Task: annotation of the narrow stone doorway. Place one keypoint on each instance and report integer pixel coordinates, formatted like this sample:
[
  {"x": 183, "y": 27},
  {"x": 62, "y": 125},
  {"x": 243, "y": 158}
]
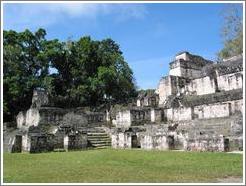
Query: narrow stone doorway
[
  {"x": 170, "y": 140},
  {"x": 17, "y": 147},
  {"x": 226, "y": 145},
  {"x": 135, "y": 142}
]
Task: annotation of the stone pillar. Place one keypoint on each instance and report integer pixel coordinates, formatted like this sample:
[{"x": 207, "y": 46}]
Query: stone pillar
[
  {"x": 65, "y": 142},
  {"x": 26, "y": 143},
  {"x": 107, "y": 116},
  {"x": 152, "y": 115}
]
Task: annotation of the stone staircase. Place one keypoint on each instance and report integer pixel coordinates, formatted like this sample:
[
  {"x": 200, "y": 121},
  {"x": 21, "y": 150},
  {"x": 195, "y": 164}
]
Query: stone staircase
[{"x": 98, "y": 138}]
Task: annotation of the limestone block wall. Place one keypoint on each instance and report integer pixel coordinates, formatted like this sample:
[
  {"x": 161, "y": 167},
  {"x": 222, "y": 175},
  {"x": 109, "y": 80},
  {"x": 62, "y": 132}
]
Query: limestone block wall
[
  {"x": 183, "y": 56},
  {"x": 123, "y": 119},
  {"x": 138, "y": 103},
  {"x": 21, "y": 119},
  {"x": 51, "y": 115},
  {"x": 139, "y": 117},
  {"x": 201, "y": 86},
  {"x": 157, "y": 115},
  {"x": 236, "y": 106},
  {"x": 150, "y": 142},
  {"x": 164, "y": 89},
  {"x": 29, "y": 118},
  {"x": 121, "y": 140},
  {"x": 176, "y": 71},
  {"x": 212, "y": 110},
  {"x": 57, "y": 116},
  {"x": 41, "y": 143},
  {"x": 206, "y": 144},
  {"x": 75, "y": 142},
  {"x": 185, "y": 72},
  {"x": 179, "y": 114},
  {"x": 32, "y": 117},
  {"x": 26, "y": 143},
  {"x": 230, "y": 81},
  {"x": 147, "y": 142}
]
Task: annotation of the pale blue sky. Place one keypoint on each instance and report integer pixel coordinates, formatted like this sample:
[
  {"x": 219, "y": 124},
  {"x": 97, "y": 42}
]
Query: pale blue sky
[{"x": 148, "y": 34}]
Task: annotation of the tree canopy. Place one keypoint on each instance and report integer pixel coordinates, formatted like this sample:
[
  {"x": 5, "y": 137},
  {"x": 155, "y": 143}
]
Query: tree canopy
[
  {"x": 85, "y": 72},
  {"x": 232, "y": 31}
]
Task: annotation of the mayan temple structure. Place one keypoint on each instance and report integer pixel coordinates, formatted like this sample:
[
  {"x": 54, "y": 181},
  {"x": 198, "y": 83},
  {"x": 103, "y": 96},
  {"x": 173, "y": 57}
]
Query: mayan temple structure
[{"x": 198, "y": 106}]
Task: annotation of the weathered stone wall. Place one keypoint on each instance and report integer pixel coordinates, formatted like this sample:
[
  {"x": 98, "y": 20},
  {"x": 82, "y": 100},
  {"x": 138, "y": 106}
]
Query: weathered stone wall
[
  {"x": 121, "y": 140},
  {"x": 26, "y": 143},
  {"x": 236, "y": 106},
  {"x": 123, "y": 119},
  {"x": 140, "y": 116},
  {"x": 201, "y": 86},
  {"x": 157, "y": 115},
  {"x": 41, "y": 143},
  {"x": 75, "y": 141},
  {"x": 57, "y": 116},
  {"x": 179, "y": 114},
  {"x": 213, "y": 110},
  {"x": 218, "y": 134},
  {"x": 164, "y": 89},
  {"x": 159, "y": 142},
  {"x": 190, "y": 68},
  {"x": 230, "y": 81},
  {"x": 185, "y": 72},
  {"x": 152, "y": 137},
  {"x": 206, "y": 144},
  {"x": 184, "y": 56},
  {"x": 29, "y": 118}
]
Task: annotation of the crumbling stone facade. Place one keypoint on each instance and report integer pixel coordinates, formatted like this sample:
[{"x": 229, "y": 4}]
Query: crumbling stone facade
[
  {"x": 200, "y": 105},
  {"x": 197, "y": 107}
]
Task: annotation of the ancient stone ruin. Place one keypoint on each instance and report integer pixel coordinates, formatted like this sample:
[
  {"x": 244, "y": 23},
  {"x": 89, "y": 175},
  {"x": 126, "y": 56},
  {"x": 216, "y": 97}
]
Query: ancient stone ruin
[{"x": 197, "y": 107}]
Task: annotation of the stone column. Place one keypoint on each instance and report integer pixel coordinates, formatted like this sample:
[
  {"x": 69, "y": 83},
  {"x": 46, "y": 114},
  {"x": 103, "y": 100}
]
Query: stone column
[
  {"x": 65, "y": 142},
  {"x": 26, "y": 143}
]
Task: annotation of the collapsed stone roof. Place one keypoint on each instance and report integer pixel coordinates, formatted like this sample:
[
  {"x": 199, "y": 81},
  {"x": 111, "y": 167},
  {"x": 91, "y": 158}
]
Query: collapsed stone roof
[
  {"x": 195, "y": 100},
  {"x": 146, "y": 93},
  {"x": 232, "y": 65}
]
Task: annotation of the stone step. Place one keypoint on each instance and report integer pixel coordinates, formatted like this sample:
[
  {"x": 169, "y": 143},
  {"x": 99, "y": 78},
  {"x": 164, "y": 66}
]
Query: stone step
[
  {"x": 98, "y": 136},
  {"x": 97, "y": 133},
  {"x": 101, "y": 145},
  {"x": 95, "y": 130},
  {"x": 99, "y": 141}
]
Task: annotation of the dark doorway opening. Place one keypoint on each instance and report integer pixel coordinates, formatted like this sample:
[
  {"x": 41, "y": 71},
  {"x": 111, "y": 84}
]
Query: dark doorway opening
[
  {"x": 17, "y": 147},
  {"x": 170, "y": 140},
  {"x": 226, "y": 145},
  {"x": 135, "y": 142}
]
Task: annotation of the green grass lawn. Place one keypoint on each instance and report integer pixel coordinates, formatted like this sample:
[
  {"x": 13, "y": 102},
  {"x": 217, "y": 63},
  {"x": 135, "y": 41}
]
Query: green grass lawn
[{"x": 112, "y": 166}]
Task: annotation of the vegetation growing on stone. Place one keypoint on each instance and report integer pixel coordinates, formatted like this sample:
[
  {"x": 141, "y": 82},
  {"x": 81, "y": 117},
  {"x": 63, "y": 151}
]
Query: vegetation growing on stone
[{"x": 189, "y": 101}]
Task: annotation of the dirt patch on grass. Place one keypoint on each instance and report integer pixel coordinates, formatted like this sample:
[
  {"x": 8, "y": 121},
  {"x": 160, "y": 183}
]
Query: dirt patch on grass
[{"x": 230, "y": 180}]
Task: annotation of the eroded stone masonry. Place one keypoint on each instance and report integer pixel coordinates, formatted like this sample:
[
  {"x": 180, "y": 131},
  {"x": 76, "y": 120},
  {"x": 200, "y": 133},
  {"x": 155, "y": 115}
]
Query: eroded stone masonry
[{"x": 197, "y": 107}]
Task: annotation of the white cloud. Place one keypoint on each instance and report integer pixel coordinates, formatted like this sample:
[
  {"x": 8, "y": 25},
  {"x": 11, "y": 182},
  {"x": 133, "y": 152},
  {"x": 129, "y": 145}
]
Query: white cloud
[{"x": 18, "y": 16}]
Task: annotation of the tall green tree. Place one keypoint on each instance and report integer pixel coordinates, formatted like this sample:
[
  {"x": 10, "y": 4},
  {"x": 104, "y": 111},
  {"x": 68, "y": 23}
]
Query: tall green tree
[
  {"x": 232, "y": 31},
  {"x": 25, "y": 66},
  {"x": 85, "y": 72},
  {"x": 92, "y": 72}
]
